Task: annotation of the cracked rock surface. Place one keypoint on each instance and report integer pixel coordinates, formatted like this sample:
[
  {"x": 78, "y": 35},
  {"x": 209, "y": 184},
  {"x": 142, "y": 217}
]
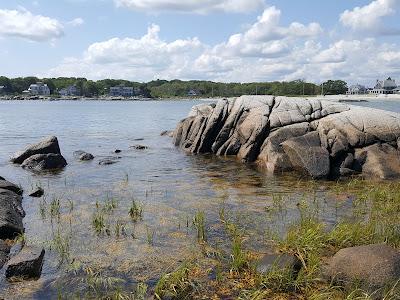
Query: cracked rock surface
[{"x": 321, "y": 139}]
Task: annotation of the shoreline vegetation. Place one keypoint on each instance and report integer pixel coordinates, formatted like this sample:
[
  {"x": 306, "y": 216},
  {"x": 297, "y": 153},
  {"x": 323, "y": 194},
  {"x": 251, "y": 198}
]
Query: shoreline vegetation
[{"x": 14, "y": 87}]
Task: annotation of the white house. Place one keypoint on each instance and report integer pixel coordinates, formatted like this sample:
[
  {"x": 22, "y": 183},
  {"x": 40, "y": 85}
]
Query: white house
[
  {"x": 121, "y": 91},
  {"x": 387, "y": 86},
  {"x": 71, "y": 90},
  {"x": 39, "y": 88},
  {"x": 357, "y": 89}
]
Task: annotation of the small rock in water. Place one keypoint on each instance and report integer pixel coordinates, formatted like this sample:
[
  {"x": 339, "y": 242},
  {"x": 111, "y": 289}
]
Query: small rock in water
[
  {"x": 83, "y": 156},
  {"x": 139, "y": 139},
  {"x": 37, "y": 193},
  {"x": 27, "y": 264},
  {"x": 2, "y": 178},
  {"x": 168, "y": 133},
  {"x": 139, "y": 147},
  {"x": 108, "y": 161},
  {"x": 117, "y": 151},
  {"x": 45, "y": 146},
  {"x": 6, "y": 185}
]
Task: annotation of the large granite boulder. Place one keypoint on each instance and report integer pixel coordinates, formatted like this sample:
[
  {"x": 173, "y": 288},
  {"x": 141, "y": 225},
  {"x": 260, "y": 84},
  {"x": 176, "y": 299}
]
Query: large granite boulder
[
  {"x": 320, "y": 138},
  {"x": 27, "y": 264},
  {"x": 45, "y": 146},
  {"x": 44, "y": 162},
  {"x": 373, "y": 267},
  {"x": 11, "y": 214}
]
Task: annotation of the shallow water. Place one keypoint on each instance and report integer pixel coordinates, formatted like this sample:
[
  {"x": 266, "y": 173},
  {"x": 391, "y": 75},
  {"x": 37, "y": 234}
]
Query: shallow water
[{"x": 170, "y": 185}]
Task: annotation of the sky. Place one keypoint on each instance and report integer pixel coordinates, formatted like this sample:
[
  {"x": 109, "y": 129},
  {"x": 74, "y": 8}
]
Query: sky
[{"x": 221, "y": 40}]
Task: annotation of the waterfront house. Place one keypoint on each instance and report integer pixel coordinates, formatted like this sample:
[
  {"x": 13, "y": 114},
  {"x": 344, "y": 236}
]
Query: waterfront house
[
  {"x": 192, "y": 93},
  {"x": 39, "y": 88},
  {"x": 71, "y": 90},
  {"x": 121, "y": 91},
  {"x": 357, "y": 89},
  {"x": 387, "y": 86}
]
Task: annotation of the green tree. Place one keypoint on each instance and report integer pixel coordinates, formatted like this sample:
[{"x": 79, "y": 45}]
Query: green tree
[{"x": 334, "y": 87}]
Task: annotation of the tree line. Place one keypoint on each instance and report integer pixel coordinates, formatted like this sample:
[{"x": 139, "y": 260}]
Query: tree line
[{"x": 177, "y": 88}]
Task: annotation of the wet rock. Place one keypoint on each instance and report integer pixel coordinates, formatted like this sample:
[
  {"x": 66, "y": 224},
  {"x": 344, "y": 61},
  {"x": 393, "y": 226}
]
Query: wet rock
[
  {"x": 306, "y": 154},
  {"x": 11, "y": 214},
  {"x": 169, "y": 133},
  {"x": 117, "y": 151},
  {"x": 378, "y": 161},
  {"x": 139, "y": 139},
  {"x": 108, "y": 161},
  {"x": 37, "y": 192},
  {"x": 44, "y": 162},
  {"x": 4, "y": 252},
  {"x": 278, "y": 261},
  {"x": 372, "y": 266},
  {"x": 83, "y": 156},
  {"x": 139, "y": 147},
  {"x": 27, "y": 264},
  {"x": 2, "y": 178},
  {"x": 46, "y": 146},
  {"x": 6, "y": 185}
]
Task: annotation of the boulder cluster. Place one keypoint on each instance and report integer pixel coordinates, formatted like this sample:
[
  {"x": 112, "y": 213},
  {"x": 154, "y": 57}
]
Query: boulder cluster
[
  {"x": 43, "y": 156},
  {"x": 320, "y": 138},
  {"x": 26, "y": 264}
]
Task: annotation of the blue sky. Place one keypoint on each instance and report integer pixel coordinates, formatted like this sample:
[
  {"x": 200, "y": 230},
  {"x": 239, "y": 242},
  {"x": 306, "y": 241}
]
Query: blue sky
[{"x": 223, "y": 40}]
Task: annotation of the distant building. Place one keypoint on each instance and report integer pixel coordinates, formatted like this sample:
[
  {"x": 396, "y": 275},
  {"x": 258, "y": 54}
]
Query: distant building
[
  {"x": 121, "y": 91},
  {"x": 39, "y": 88},
  {"x": 357, "y": 89},
  {"x": 387, "y": 86},
  {"x": 71, "y": 90},
  {"x": 192, "y": 93},
  {"x": 2, "y": 89}
]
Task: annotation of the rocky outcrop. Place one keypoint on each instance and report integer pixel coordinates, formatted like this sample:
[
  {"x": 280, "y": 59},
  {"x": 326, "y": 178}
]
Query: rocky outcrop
[
  {"x": 320, "y": 138},
  {"x": 373, "y": 267},
  {"x": 43, "y": 156},
  {"x": 27, "y": 264},
  {"x": 6, "y": 185}
]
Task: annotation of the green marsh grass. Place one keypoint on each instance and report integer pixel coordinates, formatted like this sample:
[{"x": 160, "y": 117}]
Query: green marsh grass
[{"x": 199, "y": 222}]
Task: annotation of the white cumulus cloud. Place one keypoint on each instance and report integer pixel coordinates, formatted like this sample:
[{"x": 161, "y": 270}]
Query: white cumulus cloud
[
  {"x": 23, "y": 24},
  {"x": 191, "y": 6},
  {"x": 369, "y": 17},
  {"x": 76, "y": 22}
]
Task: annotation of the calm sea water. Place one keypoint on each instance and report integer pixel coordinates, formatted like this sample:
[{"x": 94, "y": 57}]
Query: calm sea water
[{"x": 168, "y": 184}]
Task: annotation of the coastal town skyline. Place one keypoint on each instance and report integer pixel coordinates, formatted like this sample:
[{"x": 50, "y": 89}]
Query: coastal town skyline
[{"x": 238, "y": 41}]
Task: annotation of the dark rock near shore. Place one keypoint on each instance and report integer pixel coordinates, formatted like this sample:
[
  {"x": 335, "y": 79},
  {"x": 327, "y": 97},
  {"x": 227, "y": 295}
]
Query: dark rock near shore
[
  {"x": 37, "y": 192},
  {"x": 373, "y": 267},
  {"x": 6, "y": 185},
  {"x": 11, "y": 214},
  {"x": 169, "y": 133},
  {"x": 27, "y": 264},
  {"x": 44, "y": 162},
  {"x": 46, "y": 146},
  {"x": 117, "y": 151},
  {"x": 320, "y": 138},
  {"x": 272, "y": 262},
  {"x": 83, "y": 156}
]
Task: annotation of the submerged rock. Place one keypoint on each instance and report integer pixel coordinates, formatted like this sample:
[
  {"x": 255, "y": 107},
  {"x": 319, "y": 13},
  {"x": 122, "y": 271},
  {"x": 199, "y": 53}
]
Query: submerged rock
[
  {"x": 373, "y": 266},
  {"x": 11, "y": 214},
  {"x": 320, "y": 138},
  {"x": 6, "y": 185},
  {"x": 44, "y": 162},
  {"x": 37, "y": 192},
  {"x": 46, "y": 146},
  {"x": 27, "y": 264},
  {"x": 83, "y": 156},
  {"x": 139, "y": 147},
  {"x": 108, "y": 161}
]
